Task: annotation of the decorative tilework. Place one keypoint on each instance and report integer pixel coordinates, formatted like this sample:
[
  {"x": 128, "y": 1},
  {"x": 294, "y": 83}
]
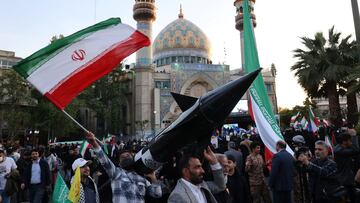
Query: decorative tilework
[{"x": 181, "y": 33}]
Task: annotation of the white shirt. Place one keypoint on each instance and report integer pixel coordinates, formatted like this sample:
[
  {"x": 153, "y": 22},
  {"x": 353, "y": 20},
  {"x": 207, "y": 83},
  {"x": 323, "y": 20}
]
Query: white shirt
[
  {"x": 200, "y": 198},
  {"x": 195, "y": 189},
  {"x": 5, "y": 168}
]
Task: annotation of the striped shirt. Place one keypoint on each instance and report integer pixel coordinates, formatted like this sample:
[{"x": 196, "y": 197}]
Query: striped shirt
[{"x": 127, "y": 186}]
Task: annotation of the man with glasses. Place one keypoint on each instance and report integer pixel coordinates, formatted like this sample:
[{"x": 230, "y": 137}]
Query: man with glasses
[{"x": 324, "y": 185}]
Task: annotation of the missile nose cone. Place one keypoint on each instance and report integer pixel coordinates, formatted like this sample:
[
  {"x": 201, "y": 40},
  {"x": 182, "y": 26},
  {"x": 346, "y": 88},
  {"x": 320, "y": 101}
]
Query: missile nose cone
[{"x": 217, "y": 104}]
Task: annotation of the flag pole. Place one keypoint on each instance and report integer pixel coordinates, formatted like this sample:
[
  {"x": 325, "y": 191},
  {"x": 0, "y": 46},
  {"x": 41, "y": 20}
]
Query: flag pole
[
  {"x": 75, "y": 121},
  {"x": 78, "y": 124}
]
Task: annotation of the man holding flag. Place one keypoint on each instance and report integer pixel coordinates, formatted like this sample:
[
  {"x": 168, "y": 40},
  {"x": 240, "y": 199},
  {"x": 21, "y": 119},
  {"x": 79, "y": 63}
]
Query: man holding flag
[{"x": 126, "y": 184}]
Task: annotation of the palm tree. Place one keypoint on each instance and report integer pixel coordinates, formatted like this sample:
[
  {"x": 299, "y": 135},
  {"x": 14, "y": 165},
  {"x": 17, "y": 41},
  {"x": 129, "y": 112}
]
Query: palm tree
[{"x": 321, "y": 67}]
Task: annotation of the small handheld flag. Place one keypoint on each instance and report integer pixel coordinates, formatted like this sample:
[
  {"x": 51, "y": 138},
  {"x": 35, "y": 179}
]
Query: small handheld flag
[
  {"x": 74, "y": 193},
  {"x": 61, "y": 191}
]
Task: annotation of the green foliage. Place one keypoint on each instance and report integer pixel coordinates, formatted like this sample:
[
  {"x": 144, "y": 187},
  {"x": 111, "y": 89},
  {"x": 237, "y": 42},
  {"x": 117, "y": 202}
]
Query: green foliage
[
  {"x": 107, "y": 97},
  {"x": 286, "y": 114},
  {"x": 16, "y": 102},
  {"x": 55, "y": 37},
  {"x": 23, "y": 107},
  {"x": 324, "y": 66}
]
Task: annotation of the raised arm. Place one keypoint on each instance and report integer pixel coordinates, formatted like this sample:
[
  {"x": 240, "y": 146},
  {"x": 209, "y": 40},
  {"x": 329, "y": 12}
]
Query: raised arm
[
  {"x": 218, "y": 184},
  {"x": 108, "y": 165},
  {"x": 322, "y": 171}
]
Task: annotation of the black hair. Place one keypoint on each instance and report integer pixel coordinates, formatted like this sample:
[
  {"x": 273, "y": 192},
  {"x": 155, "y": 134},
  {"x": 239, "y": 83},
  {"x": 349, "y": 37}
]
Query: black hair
[
  {"x": 231, "y": 157},
  {"x": 124, "y": 151},
  {"x": 184, "y": 161},
  {"x": 281, "y": 144},
  {"x": 253, "y": 145},
  {"x": 344, "y": 137},
  {"x": 35, "y": 150}
]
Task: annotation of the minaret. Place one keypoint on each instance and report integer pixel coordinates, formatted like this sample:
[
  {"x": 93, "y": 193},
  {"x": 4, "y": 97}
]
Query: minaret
[
  {"x": 239, "y": 20},
  {"x": 144, "y": 12}
]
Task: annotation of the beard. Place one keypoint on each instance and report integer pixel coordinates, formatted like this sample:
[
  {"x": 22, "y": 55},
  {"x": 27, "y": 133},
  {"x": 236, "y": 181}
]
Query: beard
[
  {"x": 127, "y": 164},
  {"x": 196, "y": 179}
]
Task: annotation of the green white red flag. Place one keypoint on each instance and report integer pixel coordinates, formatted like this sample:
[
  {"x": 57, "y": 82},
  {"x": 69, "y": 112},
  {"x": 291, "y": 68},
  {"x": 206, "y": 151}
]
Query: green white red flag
[
  {"x": 83, "y": 147},
  {"x": 314, "y": 121},
  {"x": 330, "y": 145},
  {"x": 259, "y": 107},
  {"x": 61, "y": 70},
  {"x": 304, "y": 123},
  {"x": 294, "y": 118}
]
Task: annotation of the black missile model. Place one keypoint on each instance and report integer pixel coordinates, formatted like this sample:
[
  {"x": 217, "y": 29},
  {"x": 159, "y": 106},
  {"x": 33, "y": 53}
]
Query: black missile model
[{"x": 199, "y": 118}]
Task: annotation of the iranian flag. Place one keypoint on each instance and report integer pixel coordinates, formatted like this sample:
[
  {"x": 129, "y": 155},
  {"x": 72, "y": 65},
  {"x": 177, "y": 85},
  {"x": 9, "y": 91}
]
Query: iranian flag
[
  {"x": 314, "y": 121},
  {"x": 304, "y": 123},
  {"x": 259, "y": 104},
  {"x": 83, "y": 147},
  {"x": 293, "y": 118},
  {"x": 61, "y": 70}
]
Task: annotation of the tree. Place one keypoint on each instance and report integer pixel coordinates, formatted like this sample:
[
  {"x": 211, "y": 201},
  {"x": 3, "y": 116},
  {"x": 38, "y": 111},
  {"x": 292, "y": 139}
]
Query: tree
[
  {"x": 55, "y": 37},
  {"x": 107, "y": 98},
  {"x": 16, "y": 102},
  {"x": 321, "y": 67}
]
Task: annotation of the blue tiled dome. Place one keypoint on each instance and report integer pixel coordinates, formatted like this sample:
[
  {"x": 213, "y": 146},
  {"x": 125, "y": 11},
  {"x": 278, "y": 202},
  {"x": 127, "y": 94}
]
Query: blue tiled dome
[{"x": 182, "y": 38}]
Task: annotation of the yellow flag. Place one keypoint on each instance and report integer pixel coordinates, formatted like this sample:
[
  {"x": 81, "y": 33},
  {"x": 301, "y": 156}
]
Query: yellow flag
[{"x": 74, "y": 194}]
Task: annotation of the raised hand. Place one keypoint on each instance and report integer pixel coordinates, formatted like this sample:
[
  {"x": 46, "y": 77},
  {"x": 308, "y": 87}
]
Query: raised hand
[
  {"x": 210, "y": 156},
  {"x": 92, "y": 139}
]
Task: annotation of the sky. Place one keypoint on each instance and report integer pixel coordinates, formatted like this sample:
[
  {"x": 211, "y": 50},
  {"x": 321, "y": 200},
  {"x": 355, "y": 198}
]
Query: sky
[{"x": 27, "y": 26}]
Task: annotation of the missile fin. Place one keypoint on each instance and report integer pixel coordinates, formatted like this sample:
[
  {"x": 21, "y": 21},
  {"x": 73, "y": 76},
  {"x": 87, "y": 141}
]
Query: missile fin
[{"x": 184, "y": 102}]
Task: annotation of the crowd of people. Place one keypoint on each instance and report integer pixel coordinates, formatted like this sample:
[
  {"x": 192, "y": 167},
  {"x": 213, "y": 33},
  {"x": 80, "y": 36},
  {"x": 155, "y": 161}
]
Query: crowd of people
[{"x": 232, "y": 171}]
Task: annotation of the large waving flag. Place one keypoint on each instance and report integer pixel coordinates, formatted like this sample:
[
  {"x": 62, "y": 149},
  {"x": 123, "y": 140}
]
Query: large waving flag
[
  {"x": 64, "y": 68},
  {"x": 260, "y": 107}
]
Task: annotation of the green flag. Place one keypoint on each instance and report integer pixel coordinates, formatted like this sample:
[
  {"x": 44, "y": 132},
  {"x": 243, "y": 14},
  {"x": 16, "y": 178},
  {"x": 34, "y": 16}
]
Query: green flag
[
  {"x": 61, "y": 191},
  {"x": 259, "y": 104}
]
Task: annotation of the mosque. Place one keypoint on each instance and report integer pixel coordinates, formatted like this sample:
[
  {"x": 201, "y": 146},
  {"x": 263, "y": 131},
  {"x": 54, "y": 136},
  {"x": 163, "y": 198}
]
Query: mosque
[{"x": 179, "y": 60}]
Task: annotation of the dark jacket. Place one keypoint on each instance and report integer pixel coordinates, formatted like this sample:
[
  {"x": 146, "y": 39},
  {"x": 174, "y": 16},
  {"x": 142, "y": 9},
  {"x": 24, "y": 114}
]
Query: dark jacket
[
  {"x": 45, "y": 174},
  {"x": 12, "y": 183},
  {"x": 345, "y": 159},
  {"x": 322, "y": 177},
  {"x": 237, "y": 188},
  {"x": 282, "y": 172}
]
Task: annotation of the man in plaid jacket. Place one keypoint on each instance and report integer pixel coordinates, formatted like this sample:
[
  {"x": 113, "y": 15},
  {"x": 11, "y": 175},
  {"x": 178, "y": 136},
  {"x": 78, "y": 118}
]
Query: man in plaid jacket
[{"x": 127, "y": 186}]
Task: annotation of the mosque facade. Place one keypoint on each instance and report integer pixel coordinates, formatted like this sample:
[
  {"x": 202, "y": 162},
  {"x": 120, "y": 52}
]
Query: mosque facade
[{"x": 178, "y": 60}]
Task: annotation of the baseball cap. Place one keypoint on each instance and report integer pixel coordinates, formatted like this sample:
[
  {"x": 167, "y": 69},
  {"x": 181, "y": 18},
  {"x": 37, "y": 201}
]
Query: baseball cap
[
  {"x": 79, "y": 162},
  {"x": 298, "y": 139}
]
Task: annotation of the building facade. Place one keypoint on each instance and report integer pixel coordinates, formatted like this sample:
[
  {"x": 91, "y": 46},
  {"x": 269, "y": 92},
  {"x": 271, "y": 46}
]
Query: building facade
[
  {"x": 179, "y": 60},
  {"x": 8, "y": 59}
]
